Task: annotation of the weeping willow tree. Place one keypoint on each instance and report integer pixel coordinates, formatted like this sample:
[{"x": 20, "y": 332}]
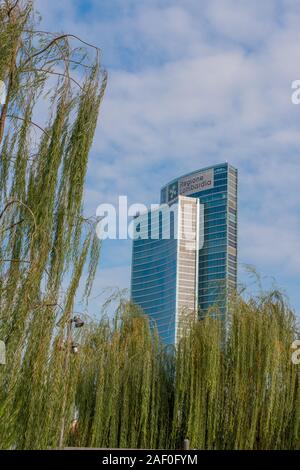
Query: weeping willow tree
[
  {"x": 241, "y": 392},
  {"x": 237, "y": 389},
  {"x": 47, "y": 123},
  {"x": 125, "y": 388}
]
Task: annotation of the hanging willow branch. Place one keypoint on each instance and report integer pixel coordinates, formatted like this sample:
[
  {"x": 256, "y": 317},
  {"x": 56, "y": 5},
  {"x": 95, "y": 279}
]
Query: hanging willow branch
[
  {"x": 56, "y": 39},
  {"x": 30, "y": 122},
  {"x": 55, "y": 73}
]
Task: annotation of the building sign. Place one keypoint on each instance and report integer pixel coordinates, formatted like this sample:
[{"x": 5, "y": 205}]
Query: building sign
[
  {"x": 196, "y": 183},
  {"x": 188, "y": 185}
]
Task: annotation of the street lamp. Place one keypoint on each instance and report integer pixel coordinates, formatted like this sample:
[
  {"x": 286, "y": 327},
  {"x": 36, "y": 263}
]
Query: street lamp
[
  {"x": 75, "y": 347},
  {"x": 78, "y": 322}
]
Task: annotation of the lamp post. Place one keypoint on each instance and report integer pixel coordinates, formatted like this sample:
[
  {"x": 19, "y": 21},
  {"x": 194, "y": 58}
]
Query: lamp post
[
  {"x": 73, "y": 347},
  {"x": 2, "y": 353},
  {"x": 78, "y": 322}
]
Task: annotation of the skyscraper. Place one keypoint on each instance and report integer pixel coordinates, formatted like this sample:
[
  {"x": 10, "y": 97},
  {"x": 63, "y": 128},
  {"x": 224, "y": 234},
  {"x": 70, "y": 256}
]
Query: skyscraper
[{"x": 157, "y": 284}]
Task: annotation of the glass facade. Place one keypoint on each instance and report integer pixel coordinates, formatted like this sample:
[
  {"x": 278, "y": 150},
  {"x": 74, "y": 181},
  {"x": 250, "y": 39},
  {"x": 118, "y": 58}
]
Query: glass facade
[
  {"x": 211, "y": 275},
  {"x": 164, "y": 266},
  {"x": 153, "y": 275}
]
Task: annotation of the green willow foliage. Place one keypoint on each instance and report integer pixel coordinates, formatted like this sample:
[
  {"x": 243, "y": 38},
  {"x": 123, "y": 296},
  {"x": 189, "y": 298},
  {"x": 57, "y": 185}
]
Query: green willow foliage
[
  {"x": 125, "y": 388},
  {"x": 246, "y": 385},
  {"x": 224, "y": 390},
  {"x": 236, "y": 389},
  {"x": 45, "y": 242}
]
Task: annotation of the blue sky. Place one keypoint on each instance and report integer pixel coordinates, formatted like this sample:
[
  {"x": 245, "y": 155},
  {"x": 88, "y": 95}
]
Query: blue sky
[{"x": 194, "y": 83}]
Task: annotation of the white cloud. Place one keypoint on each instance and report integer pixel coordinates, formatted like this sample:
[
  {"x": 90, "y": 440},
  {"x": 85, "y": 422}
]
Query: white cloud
[
  {"x": 241, "y": 20},
  {"x": 274, "y": 243}
]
